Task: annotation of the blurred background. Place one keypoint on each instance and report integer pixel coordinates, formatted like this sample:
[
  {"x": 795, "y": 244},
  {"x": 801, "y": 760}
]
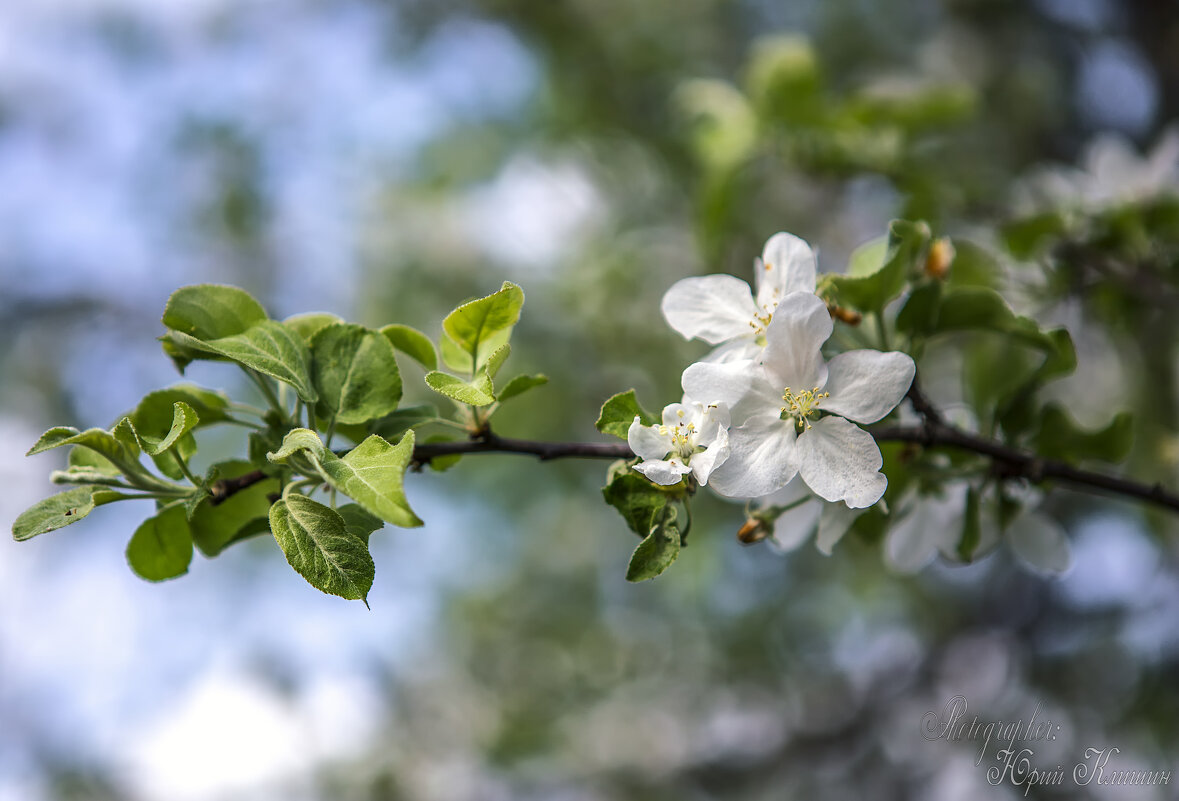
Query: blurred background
[{"x": 387, "y": 159}]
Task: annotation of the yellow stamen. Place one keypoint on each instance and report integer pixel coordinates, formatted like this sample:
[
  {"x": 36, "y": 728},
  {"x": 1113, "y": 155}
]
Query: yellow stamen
[{"x": 802, "y": 405}]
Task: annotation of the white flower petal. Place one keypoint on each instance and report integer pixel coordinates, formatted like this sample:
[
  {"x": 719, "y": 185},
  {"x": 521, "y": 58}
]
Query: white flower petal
[
  {"x": 841, "y": 462},
  {"x": 915, "y": 539},
  {"x": 712, "y": 457},
  {"x": 736, "y": 350},
  {"x": 760, "y": 458},
  {"x": 787, "y": 265},
  {"x": 834, "y": 522},
  {"x": 646, "y": 441},
  {"x": 714, "y": 418},
  {"x": 800, "y": 326},
  {"x": 865, "y": 385},
  {"x": 663, "y": 472},
  {"x": 708, "y": 382},
  {"x": 1041, "y": 542},
  {"x": 674, "y": 413},
  {"x": 794, "y": 526},
  {"x": 714, "y": 308}
]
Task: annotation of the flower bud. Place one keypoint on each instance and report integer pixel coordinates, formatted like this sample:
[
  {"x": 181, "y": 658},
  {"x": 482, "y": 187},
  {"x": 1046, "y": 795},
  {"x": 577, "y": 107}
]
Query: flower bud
[{"x": 940, "y": 257}]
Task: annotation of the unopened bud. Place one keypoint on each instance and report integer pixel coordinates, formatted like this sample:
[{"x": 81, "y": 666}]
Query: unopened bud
[
  {"x": 939, "y": 259},
  {"x": 844, "y": 315},
  {"x": 752, "y": 531}
]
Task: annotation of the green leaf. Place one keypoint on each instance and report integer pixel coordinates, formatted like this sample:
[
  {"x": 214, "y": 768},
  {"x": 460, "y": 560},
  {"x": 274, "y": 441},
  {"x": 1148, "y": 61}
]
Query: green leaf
[
  {"x": 497, "y": 358},
  {"x": 619, "y": 412},
  {"x": 1027, "y": 237},
  {"x": 373, "y": 474},
  {"x": 242, "y": 514},
  {"x": 319, "y": 547},
  {"x": 161, "y": 548},
  {"x": 308, "y": 325},
  {"x": 83, "y": 457},
  {"x": 521, "y": 384},
  {"x": 918, "y": 317},
  {"x": 54, "y": 512},
  {"x": 635, "y": 498},
  {"x": 358, "y": 522},
  {"x": 440, "y": 464},
  {"x": 355, "y": 373},
  {"x": 392, "y": 426},
  {"x": 478, "y": 327},
  {"x": 871, "y": 292},
  {"x": 1059, "y": 437},
  {"x": 658, "y": 550},
  {"x": 477, "y": 393},
  {"x": 155, "y": 414},
  {"x": 868, "y": 257},
  {"x": 118, "y": 446},
  {"x": 268, "y": 347},
  {"x": 454, "y": 357},
  {"x": 184, "y": 419},
  {"x": 212, "y": 311},
  {"x": 413, "y": 343},
  {"x": 299, "y": 439}
]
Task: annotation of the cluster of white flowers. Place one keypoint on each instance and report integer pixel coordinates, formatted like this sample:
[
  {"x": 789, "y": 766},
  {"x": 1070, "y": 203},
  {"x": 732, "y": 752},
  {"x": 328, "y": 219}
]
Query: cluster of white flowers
[{"x": 765, "y": 406}]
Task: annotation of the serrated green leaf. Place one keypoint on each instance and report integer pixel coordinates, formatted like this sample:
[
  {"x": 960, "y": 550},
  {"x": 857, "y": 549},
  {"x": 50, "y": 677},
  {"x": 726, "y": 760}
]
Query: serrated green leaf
[
  {"x": 242, "y": 514},
  {"x": 373, "y": 475},
  {"x": 635, "y": 498},
  {"x": 54, "y": 512},
  {"x": 658, "y": 550},
  {"x": 871, "y": 292},
  {"x": 454, "y": 356},
  {"x": 268, "y": 347},
  {"x": 497, "y": 358},
  {"x": 118, "y": 446},
  {"x": 478, "y": 327},
  {"x": 619, "y": 411},
  {"x": 355, "y": 373},
  {"x": 521, "y": 384},
  {"x": 161, "y": 548},
  {"x": 212, "y": 311},
  {"x": 320, "y": 549},
  {"x": 184, "y": 419},
  {"x": 358, "y": 522},
  {"x": 477, "y": 393},
  {"x": 298, "y": 439},
  {"x": 1060, "y": 437},
  {"x": 308, "y": 325},
  {"x": 82, "y": 457},
  {"x": 413, "y": 343}
]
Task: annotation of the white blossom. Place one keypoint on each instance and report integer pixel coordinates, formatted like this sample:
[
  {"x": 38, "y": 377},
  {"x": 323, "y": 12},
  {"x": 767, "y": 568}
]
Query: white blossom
[
  {"x": 722, "y": 310},
  {"x": 797, "y": 412},
  {"x": 693, "y": 438}
]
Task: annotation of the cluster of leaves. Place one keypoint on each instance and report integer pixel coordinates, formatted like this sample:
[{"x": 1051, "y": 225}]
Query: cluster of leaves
[{"x": 320, "y": 376}]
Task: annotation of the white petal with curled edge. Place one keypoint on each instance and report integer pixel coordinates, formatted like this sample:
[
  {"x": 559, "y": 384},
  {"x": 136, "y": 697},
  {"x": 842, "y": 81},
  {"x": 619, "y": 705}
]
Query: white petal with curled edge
[
  {"x": 865, "y": 385},
  {"x": 709, "y": 382},
  {"x": 663, "y": 472},
  {"x": 1040, "y": 542},
  {"x": 646, "y": 441},
  {"x": 801, "y": 324},
  {"x": 841, "y": 462},
  {"x": 787, "y": 265},
  {"x": 834, "y": 522},
  {"x": 714, "y": 308},
  {"x": 761, "y": 459},
  {"x": 710, "y": 458}
]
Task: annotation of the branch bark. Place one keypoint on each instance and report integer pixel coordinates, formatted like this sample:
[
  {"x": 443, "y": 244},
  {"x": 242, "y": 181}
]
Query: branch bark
[{"x": 932, "y": 432}]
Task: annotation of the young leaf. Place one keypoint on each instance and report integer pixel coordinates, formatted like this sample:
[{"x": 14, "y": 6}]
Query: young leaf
[
  {"x": 268, "y": 347},
  {"x": 184, "y": 419},
  {"x": 355, "y": 373},
  {"x": 358, "y": 522},
  {"x": 320, "y": 549},
  {"x": 155, "y": 414},
  {"x": 121, "y": 450},
  {"x": 310, "y": 324},
  {"x": 497, "y": 358},
  {"x": 477, "y": 393},
  {"x": 212, "y": 311},
  {"x": 372, "y": 474},
  {"x": 636, "y": 499},
  {"x": 392, "y": 426},
  {"x": 54, "y": 512},
  {"x": 478, "y": 327},
  {"x": 871, "y": 292},
  {"x": 242, "y": 514},
  {"x": 521, "y": 384},
  {"x": 161, "y": 548},
  {"x": 619, "y": 412},
  {"x": 1059, "y": 437},
  {"x": 413, "y": 343},
  {"x": 299, "y": 439},
  {"x": 658, "y": 550},
  {"x": 454, "y": 357}
]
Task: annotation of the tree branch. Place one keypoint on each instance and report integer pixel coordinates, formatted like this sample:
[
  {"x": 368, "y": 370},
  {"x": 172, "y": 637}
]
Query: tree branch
[{"x": 932, "y": 432}]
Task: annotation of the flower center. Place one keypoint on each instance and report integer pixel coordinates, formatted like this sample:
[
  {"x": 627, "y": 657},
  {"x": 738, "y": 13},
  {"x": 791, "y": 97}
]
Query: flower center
[
  {"x": 682, "y": 436},
  {"x": 802, "y": 405}
]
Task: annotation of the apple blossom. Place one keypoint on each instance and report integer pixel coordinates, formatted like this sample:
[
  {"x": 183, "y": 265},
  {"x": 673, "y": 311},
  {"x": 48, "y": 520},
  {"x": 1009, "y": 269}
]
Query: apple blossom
[
  {"x": 797, "y": 412},
  {"x": 693, "y": 438},
  {"x": 721, "y": 309}
]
